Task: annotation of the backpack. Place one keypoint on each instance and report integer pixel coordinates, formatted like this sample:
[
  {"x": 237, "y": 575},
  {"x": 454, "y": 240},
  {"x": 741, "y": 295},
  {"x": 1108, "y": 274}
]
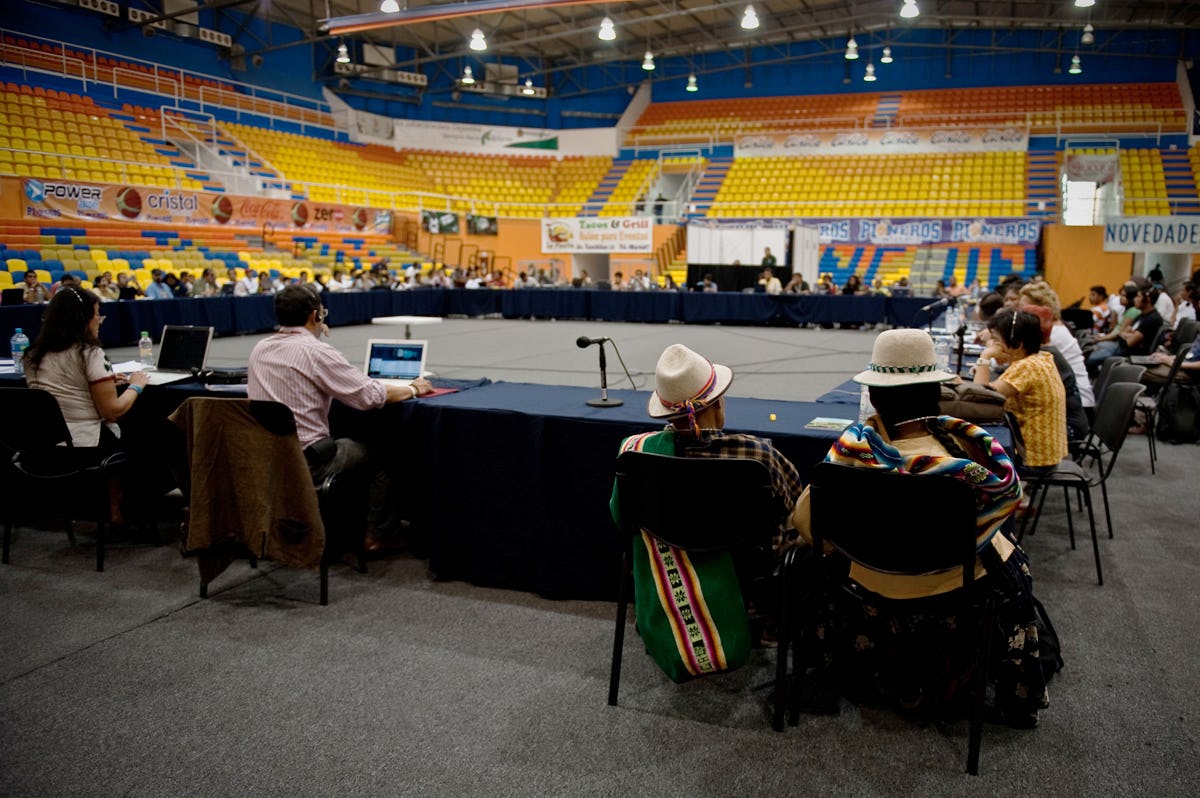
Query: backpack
[
  {"x": 1179, "y": 414},
  {"x": 1049, "y": 649}
]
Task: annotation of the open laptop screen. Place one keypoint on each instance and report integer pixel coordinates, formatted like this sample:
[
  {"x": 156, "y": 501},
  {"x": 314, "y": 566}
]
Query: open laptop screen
[
  {"x": 395, "y": 360},
  {"x": 183, "y": 348}
]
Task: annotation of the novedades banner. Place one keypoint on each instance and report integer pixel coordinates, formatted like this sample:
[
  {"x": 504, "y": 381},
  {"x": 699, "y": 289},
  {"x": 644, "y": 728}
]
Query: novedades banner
[{"x": 1178, "y": 234}]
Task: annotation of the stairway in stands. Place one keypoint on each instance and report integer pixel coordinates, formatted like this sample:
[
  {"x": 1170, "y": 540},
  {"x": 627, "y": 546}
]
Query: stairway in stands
[
  {"x": 606, "y": 187},
  {"x": 1181, "y": 182},
  {"x": 886, "y": 110},
  {"x": 709, "y": 184},
  {"x": 1041, "y": 182},
  {"x": 167, "y": 149}
]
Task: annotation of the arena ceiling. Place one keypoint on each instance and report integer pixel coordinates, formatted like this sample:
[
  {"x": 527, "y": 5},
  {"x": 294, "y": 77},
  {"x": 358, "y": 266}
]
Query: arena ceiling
[{"x": 562, "y": 34}]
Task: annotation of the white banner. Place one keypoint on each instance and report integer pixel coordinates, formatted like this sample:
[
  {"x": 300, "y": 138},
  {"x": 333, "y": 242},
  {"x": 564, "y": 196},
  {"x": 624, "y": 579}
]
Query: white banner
[
  {"x": 414, "y": 134},
  {"x": 598, "y": 234},
  {"x": 883, "y": 142},
  {"x": 1179, "y": 234}
]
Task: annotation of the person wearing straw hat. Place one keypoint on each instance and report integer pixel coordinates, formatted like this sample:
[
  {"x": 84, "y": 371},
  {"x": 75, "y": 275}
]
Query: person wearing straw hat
[{"x": 909, "y": 435}]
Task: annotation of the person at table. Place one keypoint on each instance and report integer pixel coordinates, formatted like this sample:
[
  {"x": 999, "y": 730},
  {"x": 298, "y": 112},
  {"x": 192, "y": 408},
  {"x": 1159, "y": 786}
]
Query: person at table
[
  {"x": 247, "y": 285},
  {"x": 128, "y": 286},
  {"x": 35, "y": 292},
  {"x": 296, "y": 368},
  {"x": 158, "y": 289},
  {"x": 708, "y": 285},
  {"x": 768, "y": 261},
  {"x": 208, "y": 286},
  {"x": 66, "y": 359},
  {"x": 1137, "y": 340},
  {"x": 105, "y": 290},
  {"x": 179, "y": 288},
  {"x": 266, "y": 284},
  {"x": 618, "y": 282},
  {"x": 769, "y": 282},
  {"x": 909, "y": 435},
  {"x": 1031, "y": 384},
  {"x": 797, "y": 285},
  {"x": 68, "y": 280}
]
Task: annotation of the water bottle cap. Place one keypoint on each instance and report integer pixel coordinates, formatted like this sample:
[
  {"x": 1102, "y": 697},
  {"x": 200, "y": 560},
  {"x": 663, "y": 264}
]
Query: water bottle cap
[
  {"x": 145, "y": 333},
  {"x": 17, "y": 331}
]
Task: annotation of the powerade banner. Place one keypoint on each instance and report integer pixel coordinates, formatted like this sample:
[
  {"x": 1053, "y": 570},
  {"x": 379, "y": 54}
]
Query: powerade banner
[
  {"x": 598, "y": 234},
  {"x": 882, "y": 142},
  {"x": 927, "y": 231},
  {"x": 1178, "y": 234},
  {"x": 76, "y": 201}
]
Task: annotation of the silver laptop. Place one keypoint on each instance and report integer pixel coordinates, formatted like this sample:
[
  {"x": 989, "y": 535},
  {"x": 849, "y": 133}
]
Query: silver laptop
[
  {"x": 395, "y": 361},
  {"x": 182, "y": 353}
]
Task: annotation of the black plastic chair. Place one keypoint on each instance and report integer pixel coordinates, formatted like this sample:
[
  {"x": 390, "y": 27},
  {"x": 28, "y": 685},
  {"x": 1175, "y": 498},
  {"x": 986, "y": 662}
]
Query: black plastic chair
[
  {"x": 903, "y": 538},
  {"x": 1096, "y": 458},
  {"x": 1181, "y": 344},
  {"x": 744, "y": 517},
  {"x": 53, "y": 478}
]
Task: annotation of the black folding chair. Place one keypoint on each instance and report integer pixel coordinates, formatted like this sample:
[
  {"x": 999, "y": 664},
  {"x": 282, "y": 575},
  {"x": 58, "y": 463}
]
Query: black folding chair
[
  {"x": 1181, "y": 344},
  {"x": 53, "y": 478},
  {"x": 903, "y": 538},
  {"x": 744, "y": 516}
]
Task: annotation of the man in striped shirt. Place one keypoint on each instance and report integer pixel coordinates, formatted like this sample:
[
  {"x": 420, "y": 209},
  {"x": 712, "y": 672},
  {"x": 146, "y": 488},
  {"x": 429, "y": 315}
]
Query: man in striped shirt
[{"x": 295, "y": 368}]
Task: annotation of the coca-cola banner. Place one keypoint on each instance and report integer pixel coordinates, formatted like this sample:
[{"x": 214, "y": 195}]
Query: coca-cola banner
[
  {"x": 882, "y": 142},
  {"x": 1088, "y": 168},
  {"x": 78, "y": 201}
]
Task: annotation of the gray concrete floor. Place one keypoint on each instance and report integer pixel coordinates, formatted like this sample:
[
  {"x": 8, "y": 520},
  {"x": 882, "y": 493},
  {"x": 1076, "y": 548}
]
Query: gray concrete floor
[{"x": 768, "y": 362}]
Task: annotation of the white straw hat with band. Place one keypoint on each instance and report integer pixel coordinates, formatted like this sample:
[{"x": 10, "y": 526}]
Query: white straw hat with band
[
  {"x": 902, "y": 357},
  {"x": 685, "y": 382}
]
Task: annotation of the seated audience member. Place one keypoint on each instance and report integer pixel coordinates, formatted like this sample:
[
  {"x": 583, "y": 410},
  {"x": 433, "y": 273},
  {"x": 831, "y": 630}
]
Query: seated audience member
[
  {"x": 294, "y": 367},
  {"x": 618, "y": 282},
  {"x": 769, "y": 282},
  {"x": 524, "y": 281},
  {"x": 68, "y": 280},
  {"x": 909, "y": 435},
  {"x": 186, "y": 283},
  {"x": 1164, "y": 304},
  {"x": 825, "y": 285},
  {"x": 158, "y": 288},
  {"x": 1031, "y": 384},
  {"x": 1189, "y": 300},
  {"x": 797, "y": 285},
  {"x": 266, "y": 285},
  {"x": 105, "y": 290},
  {"x": 1011, "y": 291},
  {"x": 1061, "y": 339},
  {"x": 708, "y": 285},
  {"x": 1189, "y": 369},
  {"x": 35, "y": 292},
  {"x": 127, "y": 286},
  {"x": 1138, "y": 339},
  {"x": 207, "y": 287},
  {"x": 301, "y": 278},
  {"x": 322, "y": 283},
  {"x": 178, "y": 287},
  {"x": 955, "y": 290},
  {"x": 585, "y": 279},
  {"x": 248, "y": 285},
  {"x": 1079, "y": 415},
  {"x": 940, "y": 291},
  {"x": 640, "y": 281},
  {"x": 669, "y": 283},
  {"x": 1103, "y": 317},
  {"x": 66, "y": 359},
  {"x": 901, "y": 288}
]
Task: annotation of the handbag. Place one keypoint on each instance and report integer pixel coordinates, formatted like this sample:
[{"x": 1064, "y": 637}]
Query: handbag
[{"x": 972, "y": 402}]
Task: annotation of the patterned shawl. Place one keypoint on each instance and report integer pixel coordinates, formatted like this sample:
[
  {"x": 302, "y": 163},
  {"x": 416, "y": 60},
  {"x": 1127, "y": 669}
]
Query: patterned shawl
[{"x": 989, "y": 470}]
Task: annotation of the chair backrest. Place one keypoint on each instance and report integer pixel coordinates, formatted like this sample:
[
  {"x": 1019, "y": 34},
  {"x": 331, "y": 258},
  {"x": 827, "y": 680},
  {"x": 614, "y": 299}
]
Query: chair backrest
[
  {"x": 1185, "y": 334},
  {"x": 1114, "y": 412},
  {"x": 697, "y": 503},
  {"x": 922, "y": 524},
  {"x": 1126, "y": 372},
  {"x": 1080, "y": 319},
  {"x": 35, "y": 421},
  {"x": 1106, "y": 368}
]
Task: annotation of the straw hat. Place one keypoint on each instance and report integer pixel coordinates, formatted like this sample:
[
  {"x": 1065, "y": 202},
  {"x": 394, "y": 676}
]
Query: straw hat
[
  {"x": 683, "y": 378},
  {"x": 902, "y": 357}
]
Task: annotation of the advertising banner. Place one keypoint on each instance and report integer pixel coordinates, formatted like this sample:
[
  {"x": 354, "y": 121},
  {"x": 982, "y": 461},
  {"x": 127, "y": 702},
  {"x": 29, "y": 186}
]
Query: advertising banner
[
  {"x": 918, "y": 231},
  {"x": 77, "y": 201},
  {"x": 439, "y": 222},
  {"x": 598, "y": 234},
  {"x": 1178, "y": 234},
  {"x": 891, "y": 141},
  {"x": 482, "y": 225},
  {"x": 454, "y": 137},
  {"x": 1085, "y": 168}
]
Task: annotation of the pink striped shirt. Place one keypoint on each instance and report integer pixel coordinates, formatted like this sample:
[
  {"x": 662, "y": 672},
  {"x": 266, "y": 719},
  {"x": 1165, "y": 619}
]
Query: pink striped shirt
[{"x": 294, "y": 368}]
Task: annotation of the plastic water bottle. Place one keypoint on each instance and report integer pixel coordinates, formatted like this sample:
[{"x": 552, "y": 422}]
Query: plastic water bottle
[
  {"x": 953, "y": 320},
  {"x": 941, "y": 346},
  {"x": 145, "y": 350},
  {"x": 18, "y": 344},
  {"x": 865, "y": 408}
]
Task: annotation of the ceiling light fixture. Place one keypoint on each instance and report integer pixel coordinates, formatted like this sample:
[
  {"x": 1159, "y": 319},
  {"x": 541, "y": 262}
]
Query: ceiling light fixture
[
  {"x": 749, "y": 18},
  {"x": 343, "y": 56},
  {"x": 607, "y": 31},
  {"x": 648, "y": 62},
  {"x": 478, "y": 43},
  {"x": 1075, "y": 67},
  {"x": 528, "y": 90},
  {"x": 389, "y": 7},
  {"x": 870, "y": 76},
  {"x": 886, "y": 58},
  {"x": 1084, "y": 3},
  {"x": 1089, "y": 35},
  {"x": 910, "y": 10},
  {"x": 691, "y": 86},
  {"x": 851, "y": 49},
  {"x": 468, "y": 77}
]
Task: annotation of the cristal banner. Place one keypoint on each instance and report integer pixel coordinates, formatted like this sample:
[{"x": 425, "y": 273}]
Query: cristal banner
[
  {"x": 976, "y": 230},
  {"x": 76, "y": 201},
  {"x": 598, "y": 234}
]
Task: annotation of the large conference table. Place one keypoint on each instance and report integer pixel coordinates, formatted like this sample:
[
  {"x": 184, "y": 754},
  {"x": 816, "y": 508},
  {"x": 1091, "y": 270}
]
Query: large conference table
[{"x": 254, "y": 314}]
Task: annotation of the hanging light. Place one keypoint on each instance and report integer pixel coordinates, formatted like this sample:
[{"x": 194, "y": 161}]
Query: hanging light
[
  {"x": 389, "y": 7},
  {"x": 1075, "y": 67},
  {"x": 870, "y": 76},
  {"x": 528, "y": 89},
  {"x": 1084, "y": 3},
  {"x": 691, "y": 86},
  {"x": 478, "y": 43},
  {"x": 886, "y": 58},
  {"x": 910, "y": 10},
  {"x": 607, "y": 31},
  {"x": 749, "y": 18},
  {"x": 648, "y": 62},
  {"x": 343, "y": 56},
  {"x": 1089, "y": 35},
  {"x": 851, "y": 49},
  {"x": 468, "y": 76}
]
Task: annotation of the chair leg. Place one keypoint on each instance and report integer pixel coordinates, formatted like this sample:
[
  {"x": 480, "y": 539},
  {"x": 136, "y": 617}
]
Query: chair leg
[
  {"x": 71, "y": 532},
  {"x": 8, "y": 526},
  {"x": 781, "y": 650},
  {"x": 1029, "y": 511},
  {"x": 1037, "y": 516},
  {"x": 203, "y": 589},
  {"x": 1087, "y": 496},
  {"x": 324, "y": 582},
  {"x": 1070, "y": 521},
  {"x": 1151, "y": 425},
  {"x": 975, "y": 737},
  {"x": 614, "y": 678},
  {"x": 101, "y": 529}
]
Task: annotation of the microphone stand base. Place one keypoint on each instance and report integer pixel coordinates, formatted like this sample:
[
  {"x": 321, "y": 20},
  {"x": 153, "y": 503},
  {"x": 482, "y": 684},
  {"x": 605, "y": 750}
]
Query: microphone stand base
[{"x": 604, "y": 402}]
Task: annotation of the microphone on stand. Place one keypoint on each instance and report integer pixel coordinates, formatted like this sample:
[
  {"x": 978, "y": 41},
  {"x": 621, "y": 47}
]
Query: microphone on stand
[{"x": 583, "y": 342}]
